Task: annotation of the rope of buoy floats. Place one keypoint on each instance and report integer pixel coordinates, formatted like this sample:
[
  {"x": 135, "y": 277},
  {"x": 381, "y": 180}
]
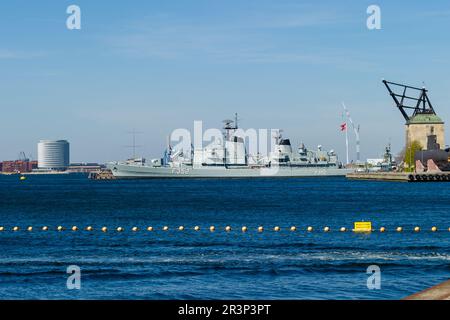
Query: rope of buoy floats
[{"x": 228, "y": 228}]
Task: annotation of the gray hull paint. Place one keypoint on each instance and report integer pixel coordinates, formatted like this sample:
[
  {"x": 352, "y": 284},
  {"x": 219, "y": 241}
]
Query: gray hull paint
[{"x": 139, "y": 171}]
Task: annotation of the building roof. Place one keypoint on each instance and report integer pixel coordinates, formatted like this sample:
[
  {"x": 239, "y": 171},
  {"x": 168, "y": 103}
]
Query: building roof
[{"x": 425, "y": 118}]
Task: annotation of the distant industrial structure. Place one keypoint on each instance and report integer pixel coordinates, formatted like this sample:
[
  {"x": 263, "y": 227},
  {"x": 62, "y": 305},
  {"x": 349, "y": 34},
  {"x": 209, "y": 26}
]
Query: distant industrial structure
[
  {"x": 53, "y": 158},
  {"x": 22, "y": 164},
  {"x": 18, "y": 166},
  {"x": 53, "y": 155},
  {"x": 84, "y": 167}
]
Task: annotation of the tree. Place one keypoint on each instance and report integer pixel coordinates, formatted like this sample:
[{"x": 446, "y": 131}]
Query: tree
[{"x": 409, "y": 155}]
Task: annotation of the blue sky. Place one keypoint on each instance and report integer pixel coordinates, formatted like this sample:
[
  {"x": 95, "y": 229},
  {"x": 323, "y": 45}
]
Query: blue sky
[{"x": 160, "y": 65}]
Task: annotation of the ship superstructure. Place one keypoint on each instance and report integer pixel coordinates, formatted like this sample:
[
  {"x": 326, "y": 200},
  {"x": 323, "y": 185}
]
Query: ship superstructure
[{"x": 229, "y": 159}]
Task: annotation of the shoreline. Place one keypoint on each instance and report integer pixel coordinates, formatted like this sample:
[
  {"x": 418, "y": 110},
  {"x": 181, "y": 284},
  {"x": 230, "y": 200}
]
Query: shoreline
[{"x": 437, "y": 292}]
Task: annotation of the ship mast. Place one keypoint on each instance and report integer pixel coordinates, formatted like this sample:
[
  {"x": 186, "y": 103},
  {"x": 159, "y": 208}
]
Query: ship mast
[{"x": 228, "y": 126}]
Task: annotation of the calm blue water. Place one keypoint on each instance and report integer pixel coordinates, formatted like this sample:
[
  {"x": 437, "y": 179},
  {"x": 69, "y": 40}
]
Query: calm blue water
[{"x": 220, "y": 265}]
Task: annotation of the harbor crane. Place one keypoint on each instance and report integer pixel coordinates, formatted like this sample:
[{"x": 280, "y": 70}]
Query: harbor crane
[{"x": 405, "y": 102}]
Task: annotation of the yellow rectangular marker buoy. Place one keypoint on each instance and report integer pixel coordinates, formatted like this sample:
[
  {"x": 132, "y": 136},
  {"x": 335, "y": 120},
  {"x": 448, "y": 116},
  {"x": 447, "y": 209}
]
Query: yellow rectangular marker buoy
[{"x": 363, "y": 226}]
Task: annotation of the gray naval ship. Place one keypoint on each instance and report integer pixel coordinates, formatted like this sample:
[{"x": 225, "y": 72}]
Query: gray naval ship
[{"x": 231, "y": 160}]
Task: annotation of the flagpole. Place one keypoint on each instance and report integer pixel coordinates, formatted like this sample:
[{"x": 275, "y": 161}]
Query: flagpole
[
  {"x": 344, "y": 126},
  {"x": 346, "y": 140}
]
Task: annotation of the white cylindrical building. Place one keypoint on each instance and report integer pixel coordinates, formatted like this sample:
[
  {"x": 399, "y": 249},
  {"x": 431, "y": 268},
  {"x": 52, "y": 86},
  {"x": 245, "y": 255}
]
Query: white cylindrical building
[{"x": 53, "y": 154}]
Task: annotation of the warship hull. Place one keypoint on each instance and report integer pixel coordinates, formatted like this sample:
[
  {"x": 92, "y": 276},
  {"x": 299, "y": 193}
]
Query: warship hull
[{"x": 127, "y": 171}]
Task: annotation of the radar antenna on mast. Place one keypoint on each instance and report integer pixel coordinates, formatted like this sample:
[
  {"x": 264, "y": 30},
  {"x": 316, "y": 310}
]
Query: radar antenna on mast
[
  {"x": 403, "y": 101},
  {"x": 230, "y": 125}
]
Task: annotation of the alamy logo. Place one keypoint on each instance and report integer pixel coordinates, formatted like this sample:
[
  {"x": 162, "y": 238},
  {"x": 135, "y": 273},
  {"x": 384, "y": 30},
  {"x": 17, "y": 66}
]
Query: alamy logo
[
  {"x": 212, "y": 147},
  {"x": 74, "y": 280},
  {"x": 73, "y": 22},
  {"x": 374, "y": 20},
  {"x": 374, "y": 280}
]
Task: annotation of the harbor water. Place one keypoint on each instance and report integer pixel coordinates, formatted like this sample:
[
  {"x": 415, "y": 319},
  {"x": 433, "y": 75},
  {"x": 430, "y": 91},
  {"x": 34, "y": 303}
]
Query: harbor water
[{"x": 190, "y": 264}]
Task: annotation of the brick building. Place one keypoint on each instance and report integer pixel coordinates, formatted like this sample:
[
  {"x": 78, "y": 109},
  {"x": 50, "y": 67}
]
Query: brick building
[{"x": 18, "y": 166}]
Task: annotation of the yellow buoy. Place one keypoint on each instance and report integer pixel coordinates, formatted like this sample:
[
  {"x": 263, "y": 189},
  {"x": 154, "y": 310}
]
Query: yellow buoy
[
  {"x": 135, "y": 229},
  {"x": 382, "y": 229},
  {"x": 212, "y": 228},
  {"x": 181, "y": 228},
  {"x": 23, "y": 178},
  {"x": 104, "y": 229},
  {"x": 16, "y": 229},
  {"x": 89, "y": 228},
  {"x": 244, "y": 229},
  {"x": 343, "y": 229},
  {"x": 433, "y": 229},
  {"x": 326, "y": 229},
  {"x": 416, "y": 229},
  {"x": 399, "y": 229},
  {"x": 74, "y": 228},
  {"x": 227, "y": 228},
  {"x": 293, "y": 228},
  {"x": 30, "y": 228},
  {"x": 2, "y": 229},
  {"x": 60, "y": 228},
  {"x": 276, "y": 229},
  {"x": 309, "y": 229},
  {"x": 165, "y": 228},
  {"x": 260, "y": 229},
  {"x": 119, "y": 229},
  {"x": 149, "y": 228},
  {"x": 196, "y": 228},
  {"x": 44, "y": 228},
  {"x": 362, "y": 226}
]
